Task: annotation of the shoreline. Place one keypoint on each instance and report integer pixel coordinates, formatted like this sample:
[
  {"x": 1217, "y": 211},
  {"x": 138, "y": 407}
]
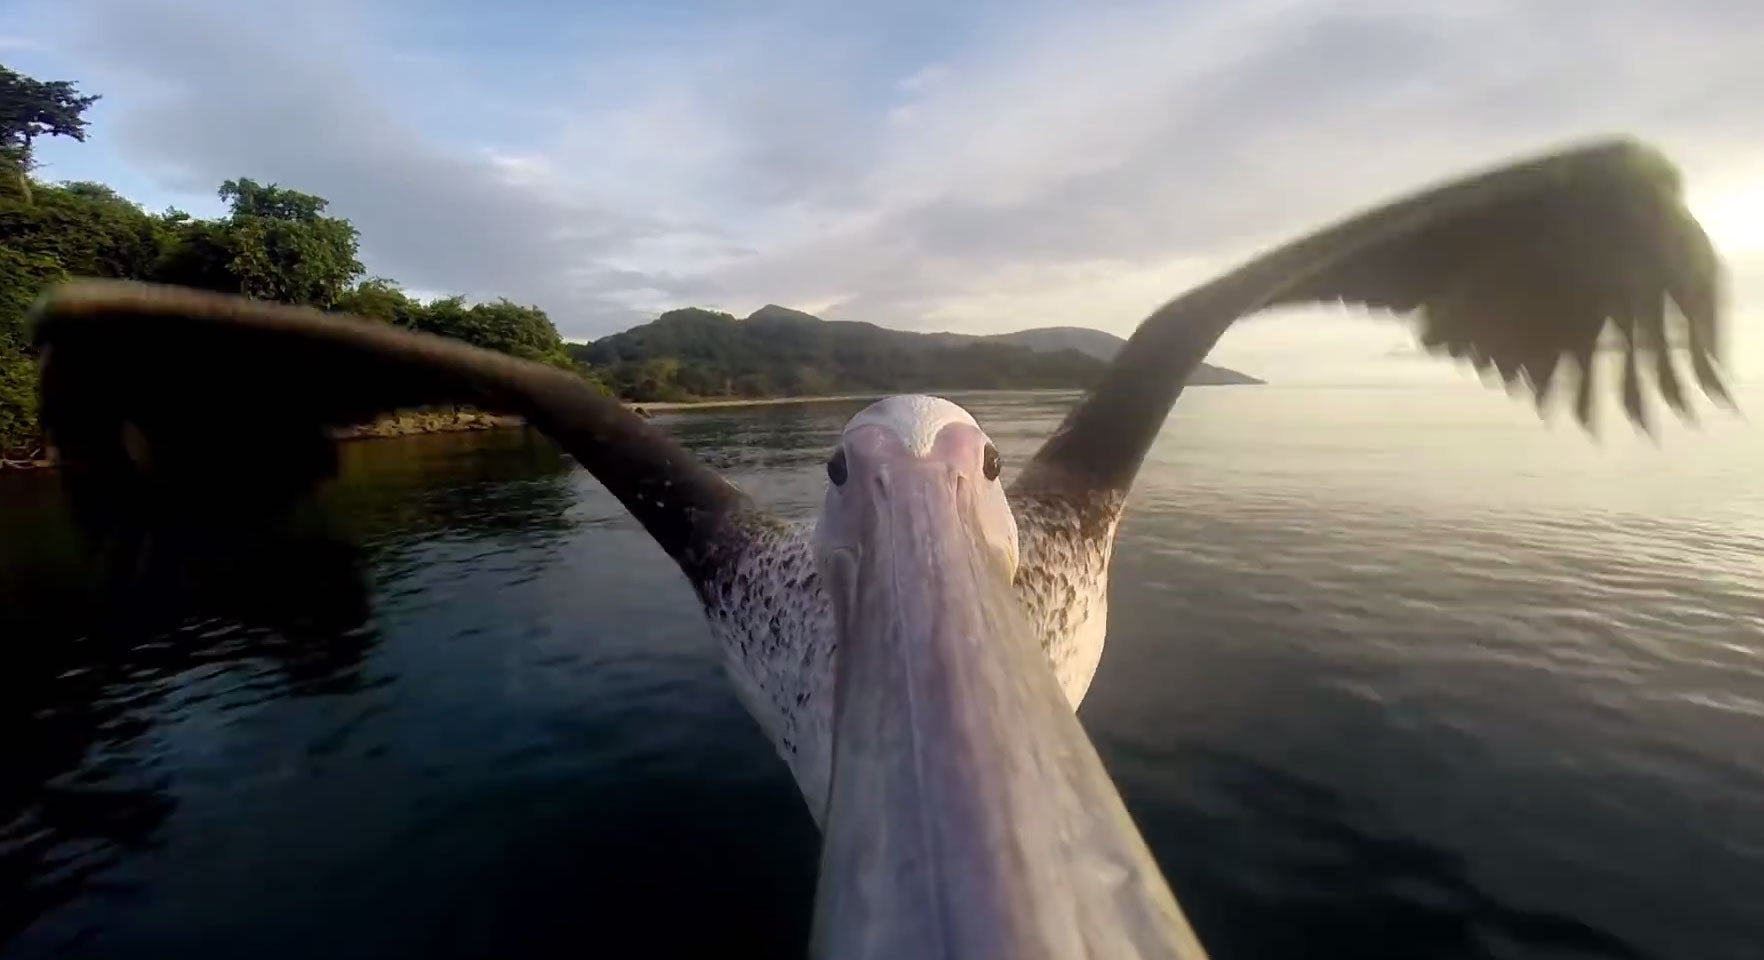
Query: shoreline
[
  {"x": 418, "y": 423},
  {"x": 422, "y": 423},
  {"x": 398, "y": 425}
]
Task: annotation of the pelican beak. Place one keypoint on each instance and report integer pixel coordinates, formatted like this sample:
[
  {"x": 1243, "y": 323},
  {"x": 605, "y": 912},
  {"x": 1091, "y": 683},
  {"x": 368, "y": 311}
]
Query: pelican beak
[{"x": 969, "y": 815}]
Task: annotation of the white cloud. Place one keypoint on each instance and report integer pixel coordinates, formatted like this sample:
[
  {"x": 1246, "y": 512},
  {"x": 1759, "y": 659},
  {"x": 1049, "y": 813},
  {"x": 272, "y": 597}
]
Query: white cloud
[{"x": 923, "y": 79}]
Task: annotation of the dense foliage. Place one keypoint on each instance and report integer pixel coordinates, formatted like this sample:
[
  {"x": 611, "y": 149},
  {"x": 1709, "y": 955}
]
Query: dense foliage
[
  {"x": 695, "y": 354},
  {"x": 275, "y": 244}
]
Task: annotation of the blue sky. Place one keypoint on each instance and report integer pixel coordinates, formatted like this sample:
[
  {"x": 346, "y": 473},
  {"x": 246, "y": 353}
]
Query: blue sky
[{"x": 981, "y": 167}]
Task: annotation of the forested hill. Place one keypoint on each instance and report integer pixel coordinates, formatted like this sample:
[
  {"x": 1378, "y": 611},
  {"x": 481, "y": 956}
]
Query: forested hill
[
  {"x": 1097, "y": 343},
  {"x": 694, "y": 353}
]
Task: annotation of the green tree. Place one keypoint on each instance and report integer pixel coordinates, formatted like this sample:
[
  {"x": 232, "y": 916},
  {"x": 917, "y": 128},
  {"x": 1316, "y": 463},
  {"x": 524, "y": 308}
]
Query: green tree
[
  {"x": 502, "y": 325},
  {"x": 248, "y": 198},
  {"x": 285, "y": 249},
  {"x": 195, "y": 253},
  {"x": 381, "y": 299},
  {"x": 523, "y": 331},
  {"x": 85, "y": 227},
  {"x": 447, "y": 317},
  {"x": 35, "y": 108}
]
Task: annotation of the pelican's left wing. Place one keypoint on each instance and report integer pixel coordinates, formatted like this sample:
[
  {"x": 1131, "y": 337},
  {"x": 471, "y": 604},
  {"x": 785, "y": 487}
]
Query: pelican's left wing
[{"x": 1514, "y": 269}]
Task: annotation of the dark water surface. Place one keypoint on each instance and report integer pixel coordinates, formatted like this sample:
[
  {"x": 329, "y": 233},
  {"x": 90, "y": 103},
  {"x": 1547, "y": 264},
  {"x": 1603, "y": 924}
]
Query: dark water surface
[{"x": 1391, "y": 673}]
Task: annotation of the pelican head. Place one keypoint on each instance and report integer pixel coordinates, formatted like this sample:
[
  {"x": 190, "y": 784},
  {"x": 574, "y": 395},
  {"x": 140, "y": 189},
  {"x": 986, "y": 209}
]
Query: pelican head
[
  {"x": 914, "y": 455},
  {"x": 968, "y": 814}
]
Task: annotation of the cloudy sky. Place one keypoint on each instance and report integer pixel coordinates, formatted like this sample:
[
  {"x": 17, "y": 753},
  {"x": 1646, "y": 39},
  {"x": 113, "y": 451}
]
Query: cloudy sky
[{"x": 983, "y": 167}]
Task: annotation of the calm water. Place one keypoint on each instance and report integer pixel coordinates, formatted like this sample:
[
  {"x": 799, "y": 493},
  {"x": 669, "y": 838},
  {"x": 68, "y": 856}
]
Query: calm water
[{"x": 1392, "y": 673}]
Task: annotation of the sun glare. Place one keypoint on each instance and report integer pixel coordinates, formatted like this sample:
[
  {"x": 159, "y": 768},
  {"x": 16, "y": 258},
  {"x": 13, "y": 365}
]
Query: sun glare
[{"x": 1734, "y": 218}]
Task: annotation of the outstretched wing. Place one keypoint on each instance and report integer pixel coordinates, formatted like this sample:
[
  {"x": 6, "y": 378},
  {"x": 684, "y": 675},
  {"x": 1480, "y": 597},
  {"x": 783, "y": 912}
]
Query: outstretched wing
[
  {"x": 165, "y": 398},
  {"x": 186, "y": 410},
  {"x": 1514, "y": 269}
]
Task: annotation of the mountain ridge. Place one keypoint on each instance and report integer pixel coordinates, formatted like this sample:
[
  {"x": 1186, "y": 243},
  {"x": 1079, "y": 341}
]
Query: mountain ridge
[
  {"x": 697, "y": 354},
  {"x": 1096, "y": 343}
]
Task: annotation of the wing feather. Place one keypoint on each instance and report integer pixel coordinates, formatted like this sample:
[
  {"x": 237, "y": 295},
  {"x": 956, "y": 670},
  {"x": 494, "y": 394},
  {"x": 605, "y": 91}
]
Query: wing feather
[
  {"x": 1511, "y": 271},
  {"x": 168, "y": 398},
  {"x": 1519, "y": 271}
]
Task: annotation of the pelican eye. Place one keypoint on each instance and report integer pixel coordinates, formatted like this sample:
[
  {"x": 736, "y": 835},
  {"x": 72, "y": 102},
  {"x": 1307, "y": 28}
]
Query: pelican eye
[
  {"x": 989, "y": 462},
  {"x": 836, "y": 467}
]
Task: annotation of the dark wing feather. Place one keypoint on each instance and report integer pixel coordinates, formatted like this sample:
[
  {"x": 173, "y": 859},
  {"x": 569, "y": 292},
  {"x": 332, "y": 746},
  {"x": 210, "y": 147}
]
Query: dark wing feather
[
  {"x": 1512, "y": 270},
  {"x": 218, "y": 406}
]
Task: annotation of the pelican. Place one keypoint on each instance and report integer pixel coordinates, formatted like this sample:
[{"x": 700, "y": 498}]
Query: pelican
[{"x": 916, "y": 652}]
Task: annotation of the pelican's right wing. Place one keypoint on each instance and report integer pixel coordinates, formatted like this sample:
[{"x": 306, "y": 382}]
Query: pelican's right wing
[
  {"x": 207, "y": 410},
  {"x": 219, "y": 407}
]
